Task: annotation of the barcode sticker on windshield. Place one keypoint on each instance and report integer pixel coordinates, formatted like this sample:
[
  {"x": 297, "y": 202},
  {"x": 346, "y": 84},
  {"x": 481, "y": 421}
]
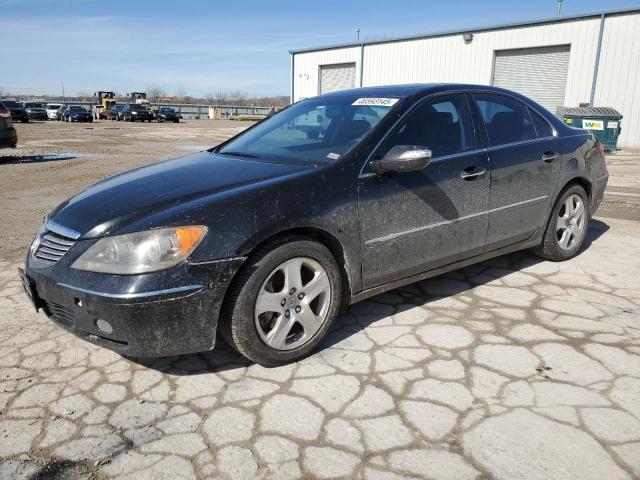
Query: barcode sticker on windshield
[
  {"x": 376, "y": 102},
  {"x": 333, "y": 156}
]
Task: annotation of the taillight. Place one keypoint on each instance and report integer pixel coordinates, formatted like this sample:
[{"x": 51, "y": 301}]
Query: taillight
[
  {"x": 4, "y": 112},
  {"x": 600, "y": 148}
]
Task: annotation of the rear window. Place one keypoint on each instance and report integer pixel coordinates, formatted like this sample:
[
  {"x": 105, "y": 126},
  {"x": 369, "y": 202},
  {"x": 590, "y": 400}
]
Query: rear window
[
  {"x": 507, "y": 120},
  {"x": 11, "y": 104}
]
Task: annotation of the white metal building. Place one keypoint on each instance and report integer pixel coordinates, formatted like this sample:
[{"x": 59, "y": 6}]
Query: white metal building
[{"x": 563, "y": 61}]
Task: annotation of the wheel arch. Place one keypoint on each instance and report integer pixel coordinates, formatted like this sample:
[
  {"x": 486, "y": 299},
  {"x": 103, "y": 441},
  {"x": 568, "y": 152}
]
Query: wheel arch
[
  {"x": 321, "y": 236},
  {"x": 581, "y": 181}
]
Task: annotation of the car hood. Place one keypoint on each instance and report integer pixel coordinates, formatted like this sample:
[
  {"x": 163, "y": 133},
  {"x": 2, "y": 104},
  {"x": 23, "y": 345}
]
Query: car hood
[{"x": 124, "y": 198}]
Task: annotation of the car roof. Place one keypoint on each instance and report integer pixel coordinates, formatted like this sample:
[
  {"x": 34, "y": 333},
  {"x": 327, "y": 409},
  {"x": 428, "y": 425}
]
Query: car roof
[{"x": 411, "y": 89}]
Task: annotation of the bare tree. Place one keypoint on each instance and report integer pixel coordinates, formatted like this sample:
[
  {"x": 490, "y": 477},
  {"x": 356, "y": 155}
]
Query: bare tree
[
  {"x": 155, "y": 93},
  {"x": 181, "y": 94}
]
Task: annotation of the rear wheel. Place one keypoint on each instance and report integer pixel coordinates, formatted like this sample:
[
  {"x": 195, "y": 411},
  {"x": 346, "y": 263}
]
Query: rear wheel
[
  {"x": 567, "y": 226},
  {"x": 283, "y": 301}
]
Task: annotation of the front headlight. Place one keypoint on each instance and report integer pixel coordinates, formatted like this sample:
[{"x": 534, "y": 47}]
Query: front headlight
[
  {"x": 134, "y": 113},
  {"x": 141, "y": 252}
]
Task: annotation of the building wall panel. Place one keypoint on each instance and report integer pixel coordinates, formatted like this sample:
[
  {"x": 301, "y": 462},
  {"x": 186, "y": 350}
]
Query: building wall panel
[
  {"x": 448, "y": 59},
  {"x": 618, "y": 83}
]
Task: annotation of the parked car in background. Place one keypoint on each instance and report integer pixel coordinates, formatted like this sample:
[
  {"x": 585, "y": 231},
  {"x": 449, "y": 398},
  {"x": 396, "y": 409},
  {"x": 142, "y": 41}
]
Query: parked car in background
[
  {"x": 77, "y": 113},
  {"x": 133, "y": 112},
  {"x": 60, "y": 112},
  {"x": 403, "y": 183},
  {"x": 114, "y": 112},
  {"x": 18, "y": 112},
  {"x": 52, "y": 110},
  {"x": 8, "y": 135},
  {"x": 36, "y": 111},
  {"x": 167, "y": 114}
]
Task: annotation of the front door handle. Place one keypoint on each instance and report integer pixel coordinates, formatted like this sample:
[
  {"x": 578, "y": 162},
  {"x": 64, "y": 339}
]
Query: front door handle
[
  {"x": 471, "y": 173},
  {"x": 549, "y": 156}
]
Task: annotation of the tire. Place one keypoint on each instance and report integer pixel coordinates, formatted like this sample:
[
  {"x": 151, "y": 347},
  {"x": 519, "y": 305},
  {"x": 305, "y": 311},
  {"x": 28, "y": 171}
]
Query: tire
[
  {"x": 238, "y": 320},
  {"x": 25, "y": 120},
  {"x": 176, "y": 121},
  {"x": 571, "y": 227}
]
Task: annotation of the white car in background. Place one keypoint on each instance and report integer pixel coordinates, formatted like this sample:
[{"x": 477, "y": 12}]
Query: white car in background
[{"x": 52, "y": 109}]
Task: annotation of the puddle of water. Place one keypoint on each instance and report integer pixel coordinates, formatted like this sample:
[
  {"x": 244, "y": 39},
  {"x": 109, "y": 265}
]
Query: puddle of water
[
  {"x": 51, "y": 157},
  {"x": 194, "y": 148}
]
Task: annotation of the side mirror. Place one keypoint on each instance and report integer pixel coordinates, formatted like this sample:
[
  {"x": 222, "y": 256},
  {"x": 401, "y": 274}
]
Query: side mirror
[{"x": 403, "y": 158}]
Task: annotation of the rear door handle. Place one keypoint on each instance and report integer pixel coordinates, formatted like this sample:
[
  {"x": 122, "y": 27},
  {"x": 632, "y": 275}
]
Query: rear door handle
[
  {"x": 471, "y": 173},
  {"x": 549, "y": 156}
]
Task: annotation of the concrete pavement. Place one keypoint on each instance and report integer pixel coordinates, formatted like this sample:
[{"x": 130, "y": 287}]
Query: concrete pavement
[{"x": 514, "y": 368}]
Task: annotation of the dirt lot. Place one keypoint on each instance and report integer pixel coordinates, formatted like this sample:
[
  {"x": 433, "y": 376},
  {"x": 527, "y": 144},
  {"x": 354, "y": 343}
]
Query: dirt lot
[
  {"x": 29, "y": 190},
  {"x": 514, "y": 368}
]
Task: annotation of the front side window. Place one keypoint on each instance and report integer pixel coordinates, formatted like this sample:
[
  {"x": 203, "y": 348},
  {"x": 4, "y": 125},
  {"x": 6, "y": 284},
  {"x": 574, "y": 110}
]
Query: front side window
[
  {"x": 320, "y": 130},
  {"x": 443, "y": 125},
  {"x": 507, "y": 120}
]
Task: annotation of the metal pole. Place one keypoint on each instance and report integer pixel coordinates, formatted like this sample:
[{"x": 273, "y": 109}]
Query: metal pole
[
  {"x": 361, "y": 63},
  {"x": 292, "y": 77},
  {"x": 559, "y": 7},
  {"x": 597, "y": 64},
  {"x": 357, "y": 34}
]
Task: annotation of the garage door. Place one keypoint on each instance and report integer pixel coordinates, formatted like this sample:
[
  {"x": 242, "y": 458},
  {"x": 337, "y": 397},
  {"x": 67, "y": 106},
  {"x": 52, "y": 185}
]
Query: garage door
[
  {"x": 538, "y": 73},
  {"x": 337, "y": 77}
]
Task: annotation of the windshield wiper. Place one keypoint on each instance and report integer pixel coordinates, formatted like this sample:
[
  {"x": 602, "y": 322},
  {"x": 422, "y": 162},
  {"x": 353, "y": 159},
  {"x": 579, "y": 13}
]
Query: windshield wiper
[{"x": 240, "y": 154}]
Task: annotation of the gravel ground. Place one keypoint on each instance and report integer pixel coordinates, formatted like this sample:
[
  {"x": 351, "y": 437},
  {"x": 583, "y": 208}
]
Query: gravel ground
[{"x": 513, "y": 368}]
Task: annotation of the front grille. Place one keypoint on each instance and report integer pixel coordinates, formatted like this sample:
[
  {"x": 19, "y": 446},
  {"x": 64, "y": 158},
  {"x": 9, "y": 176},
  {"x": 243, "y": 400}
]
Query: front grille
[
  {"x": 52, "y": 247},
  {"x": 59, "y": 313}
]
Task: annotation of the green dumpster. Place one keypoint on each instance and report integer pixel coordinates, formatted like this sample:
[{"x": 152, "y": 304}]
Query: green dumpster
[{"x": 603, "y": 122}]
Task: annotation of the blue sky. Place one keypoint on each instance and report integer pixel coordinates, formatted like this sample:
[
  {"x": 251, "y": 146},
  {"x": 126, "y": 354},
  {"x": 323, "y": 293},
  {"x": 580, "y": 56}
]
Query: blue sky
[{"x": 207, "y": 46}]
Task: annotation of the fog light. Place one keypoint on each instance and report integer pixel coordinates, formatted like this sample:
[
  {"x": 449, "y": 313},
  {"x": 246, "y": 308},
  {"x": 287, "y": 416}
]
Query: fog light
[{"x": 104, "y": 326}]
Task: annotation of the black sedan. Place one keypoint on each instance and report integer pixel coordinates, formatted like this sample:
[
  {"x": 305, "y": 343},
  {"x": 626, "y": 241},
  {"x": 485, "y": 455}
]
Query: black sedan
[
  {"x": 76, "y": 113},
  {"x": 36, "y": 111},
  {"x": 133, "y": 113},
  {"x": 263, "y": 238},
  {"x": 115, "y": 112},
  {"x": 8, "y": 135},
  {"x": 167, "y": 114},
  {"x": 18, "y": 112}
]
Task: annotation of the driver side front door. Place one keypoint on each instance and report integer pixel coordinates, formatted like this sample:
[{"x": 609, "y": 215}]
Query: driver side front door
[{"x": 412, "y": 222}]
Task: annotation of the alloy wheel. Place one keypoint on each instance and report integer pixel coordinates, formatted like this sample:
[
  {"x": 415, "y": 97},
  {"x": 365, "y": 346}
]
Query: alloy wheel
[
  {"x": 571, "y": 222},
  {"x": 292, "y": 303}
]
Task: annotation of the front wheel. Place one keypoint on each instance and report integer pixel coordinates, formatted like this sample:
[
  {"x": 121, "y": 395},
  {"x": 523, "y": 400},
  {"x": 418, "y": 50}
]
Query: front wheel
[
  {"x": 283, "y": 301},
  {"x": 567, "y": 226}
]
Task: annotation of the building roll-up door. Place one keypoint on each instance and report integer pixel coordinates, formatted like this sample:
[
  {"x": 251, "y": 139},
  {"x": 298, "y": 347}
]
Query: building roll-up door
[
  {"x": 539, "y": 73},
  {"x": 337, "y": 77}
]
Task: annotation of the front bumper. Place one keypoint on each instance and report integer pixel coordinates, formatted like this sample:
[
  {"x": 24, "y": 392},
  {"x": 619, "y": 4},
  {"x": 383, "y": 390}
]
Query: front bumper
[
  {"x": 164, "y": 313},
  {"x": 81, "y": 118},
  {"x": 38, "y": 116}
]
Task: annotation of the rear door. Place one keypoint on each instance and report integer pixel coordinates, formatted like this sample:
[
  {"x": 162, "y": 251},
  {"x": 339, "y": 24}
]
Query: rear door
[
  {"x": 523, "y": 152},
  {"x": 415, "y": 221}
]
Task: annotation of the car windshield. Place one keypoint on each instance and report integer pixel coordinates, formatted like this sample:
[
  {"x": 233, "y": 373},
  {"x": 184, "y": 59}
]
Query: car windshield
[
  {"x": 11, "y": 104},
  {"x": 76, "y": 108},
  {"x": 166, "y": 110},
  {"x": 318, "y": 130},
  {"x": 33, "y": 105},
  {"x": 139, "y": 108},
  {"x": 53, "y": 106}
]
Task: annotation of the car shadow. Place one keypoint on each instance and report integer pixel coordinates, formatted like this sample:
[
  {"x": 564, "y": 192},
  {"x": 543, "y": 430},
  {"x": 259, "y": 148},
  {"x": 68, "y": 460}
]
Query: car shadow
[
  {"x": 224, "y": 358},
  {"x": 12, "y": 160}
]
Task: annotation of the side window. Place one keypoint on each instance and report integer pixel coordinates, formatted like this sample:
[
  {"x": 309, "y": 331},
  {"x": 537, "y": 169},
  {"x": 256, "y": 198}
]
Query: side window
[
  {"x": 543, "y": 129},
  {"x": 507, "y": 120},
  {"x": 442, "y": 124}
]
